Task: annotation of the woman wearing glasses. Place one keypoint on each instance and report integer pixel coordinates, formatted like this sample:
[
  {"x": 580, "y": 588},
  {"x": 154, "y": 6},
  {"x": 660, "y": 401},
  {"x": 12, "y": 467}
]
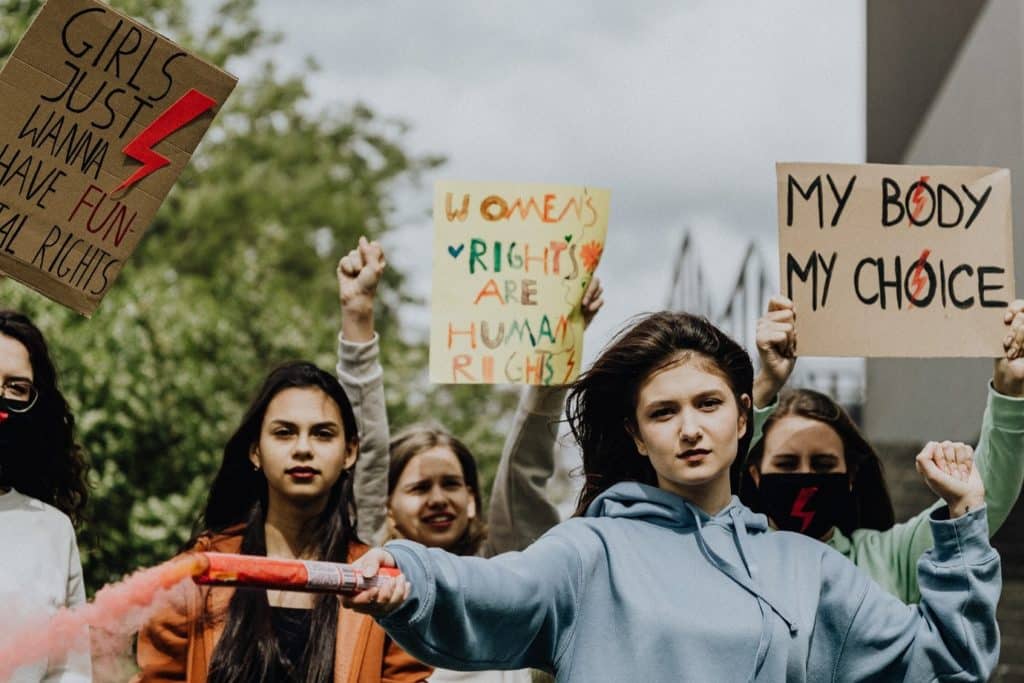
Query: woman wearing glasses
[{"x": 42, "y": 494}]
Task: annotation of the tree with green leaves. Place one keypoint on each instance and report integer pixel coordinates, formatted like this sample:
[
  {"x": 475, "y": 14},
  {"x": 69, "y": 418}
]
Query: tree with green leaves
[{"x": 235, "y": 275}]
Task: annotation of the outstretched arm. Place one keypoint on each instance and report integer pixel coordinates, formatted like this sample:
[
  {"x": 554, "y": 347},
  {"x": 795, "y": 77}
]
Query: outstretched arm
[{"x": 474, "y": 614}]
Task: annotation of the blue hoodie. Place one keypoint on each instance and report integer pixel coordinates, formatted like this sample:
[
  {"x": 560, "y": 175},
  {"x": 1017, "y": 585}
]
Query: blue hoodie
[{"x": 647, "y": 587}]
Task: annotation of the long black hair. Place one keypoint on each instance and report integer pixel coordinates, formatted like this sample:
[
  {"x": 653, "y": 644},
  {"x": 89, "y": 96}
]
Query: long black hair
[
  {"x": 52, "y": 468},
  {"x": 872, "y": 504},
  {"x": 601, "y": 408},
  {"x": 248, "y": 650}
]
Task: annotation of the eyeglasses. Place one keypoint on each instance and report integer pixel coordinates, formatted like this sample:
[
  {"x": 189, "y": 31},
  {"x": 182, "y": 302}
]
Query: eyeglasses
[{"x": 18, "y": 395}]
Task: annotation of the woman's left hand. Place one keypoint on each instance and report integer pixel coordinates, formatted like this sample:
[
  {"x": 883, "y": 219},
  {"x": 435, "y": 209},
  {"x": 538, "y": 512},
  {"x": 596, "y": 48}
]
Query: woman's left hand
[
  {"x": 1008, "y": 376},
  {"x": 593, "y": 300},
  {"x": 383, "y": 599},
  {"x": 949, "y": 470}
]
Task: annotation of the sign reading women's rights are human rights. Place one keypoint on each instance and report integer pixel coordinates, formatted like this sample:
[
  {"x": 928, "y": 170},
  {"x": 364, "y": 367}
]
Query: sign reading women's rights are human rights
[
  {"x": 888, "y": 260},
  {"x": 511, "y": 264},
  {"x": 100, "y": 115}
]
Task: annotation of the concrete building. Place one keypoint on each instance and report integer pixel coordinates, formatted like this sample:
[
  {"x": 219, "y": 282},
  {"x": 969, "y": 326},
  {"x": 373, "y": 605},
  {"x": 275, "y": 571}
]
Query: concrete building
[{"x": 945, "y": 85}]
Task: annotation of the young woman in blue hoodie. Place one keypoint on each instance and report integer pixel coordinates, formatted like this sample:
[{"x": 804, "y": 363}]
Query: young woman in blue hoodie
[{"x": 664, "y": 576}]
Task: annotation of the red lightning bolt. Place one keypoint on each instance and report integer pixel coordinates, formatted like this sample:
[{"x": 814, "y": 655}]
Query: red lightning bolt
[
  {"x": 191, "y": 105},
  {"x": 917, "y": 280},
  {"x": 917, "y": 199},
  {"x": 569, "y": 365},
  {"x": 798, "y": 506}
]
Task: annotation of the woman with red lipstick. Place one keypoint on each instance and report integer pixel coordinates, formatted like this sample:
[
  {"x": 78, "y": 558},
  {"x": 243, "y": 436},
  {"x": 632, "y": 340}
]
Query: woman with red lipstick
[
  {"x": 284, "y": 489},
  {"x": 814, "y": 472},
  {"x": 427, "y": 488},
  {"x": 43, "y": 491}
]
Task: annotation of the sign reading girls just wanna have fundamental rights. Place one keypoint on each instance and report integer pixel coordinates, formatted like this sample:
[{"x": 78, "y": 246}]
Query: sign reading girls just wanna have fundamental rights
[
  {"x": 511, "y": 264},
  {"x": 100, "y": 115}
]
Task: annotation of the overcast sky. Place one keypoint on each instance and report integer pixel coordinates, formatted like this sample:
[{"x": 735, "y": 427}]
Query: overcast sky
[{"x": 680, "y": 108}]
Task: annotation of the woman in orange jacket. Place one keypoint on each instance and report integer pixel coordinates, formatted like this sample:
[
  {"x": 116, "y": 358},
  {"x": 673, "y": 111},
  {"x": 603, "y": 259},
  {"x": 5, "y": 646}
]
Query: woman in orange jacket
[{"x": 283, "y": 490}]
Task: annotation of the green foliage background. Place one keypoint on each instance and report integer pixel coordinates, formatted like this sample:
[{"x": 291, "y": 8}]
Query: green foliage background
[{"x": 235, "y": 275}]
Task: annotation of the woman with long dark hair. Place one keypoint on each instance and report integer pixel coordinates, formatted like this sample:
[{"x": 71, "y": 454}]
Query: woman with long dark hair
[
  {"x": 813, "y": 471},
  {"x": 283, "y": 490},
  {"x": 43, "y": 492},
  {"x": 664, "y": 576}
]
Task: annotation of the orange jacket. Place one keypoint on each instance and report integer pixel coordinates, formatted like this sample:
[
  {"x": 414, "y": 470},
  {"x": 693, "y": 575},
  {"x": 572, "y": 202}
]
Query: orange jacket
[{"x": 177, "y": 643}]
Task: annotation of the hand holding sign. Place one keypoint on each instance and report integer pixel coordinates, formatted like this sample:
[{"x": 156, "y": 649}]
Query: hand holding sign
[
  {"x": 593, "y": 300},
  {"x": 776, "y": 346},
  {"x": 1008, "y": 376}
]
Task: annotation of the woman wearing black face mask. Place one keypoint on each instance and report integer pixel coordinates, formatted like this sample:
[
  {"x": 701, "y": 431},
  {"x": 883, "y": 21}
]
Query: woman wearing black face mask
[
  {"x": 814, "y": 473},
  {"x": 42, "y": 493}
]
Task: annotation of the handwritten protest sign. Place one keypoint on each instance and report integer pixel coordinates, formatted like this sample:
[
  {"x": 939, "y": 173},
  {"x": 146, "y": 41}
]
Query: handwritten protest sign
[
  {"x": 511, "y": 263},
  {"x": 99, "y": 117},
  {"x": 886, "y": 260}
]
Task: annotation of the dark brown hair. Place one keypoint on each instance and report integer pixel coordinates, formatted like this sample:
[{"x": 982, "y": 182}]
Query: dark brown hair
[
  {"x": 54, "y": 469},
  {"x": 873, "y": 505},
  {"x": 601, "y": 408},
  {"x": 248, "y": 649},
  {"x": 416, "y": 439}
]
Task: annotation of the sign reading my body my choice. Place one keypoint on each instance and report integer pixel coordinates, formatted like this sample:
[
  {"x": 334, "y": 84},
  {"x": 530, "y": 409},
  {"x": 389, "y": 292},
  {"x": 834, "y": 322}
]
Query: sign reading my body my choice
[
  {"x": 886, "y": 260},
  {"x": 100, "y": 115},
  {"x": 511, "y": 264}
]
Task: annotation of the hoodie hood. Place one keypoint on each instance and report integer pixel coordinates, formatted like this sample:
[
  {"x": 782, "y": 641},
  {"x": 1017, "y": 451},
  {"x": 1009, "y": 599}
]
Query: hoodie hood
[
  {"x": 641, "y": 502},
  {"x": 633, "y": 500}
]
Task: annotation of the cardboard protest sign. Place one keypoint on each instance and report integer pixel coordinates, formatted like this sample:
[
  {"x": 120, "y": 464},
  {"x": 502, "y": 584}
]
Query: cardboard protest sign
[
  {"x": 100, "y": 115},
  {"x": 511, "y": 263},
  {"x": 900, "y": 261}
]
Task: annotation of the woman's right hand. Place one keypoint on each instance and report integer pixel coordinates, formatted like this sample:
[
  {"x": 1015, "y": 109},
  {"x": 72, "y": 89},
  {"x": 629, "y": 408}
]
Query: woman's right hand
[
  {"x": 949, "y": 470},
  {"x": 359, "y": 273},
  {"x": 776, "y": 345},
  {"x": 381, "y": 600}
]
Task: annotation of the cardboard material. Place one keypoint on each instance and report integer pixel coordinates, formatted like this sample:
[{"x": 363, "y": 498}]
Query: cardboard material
[
  {"x": 511, "y": 263},
  {"x": 100, "y": 116},
  {"x": 898, "y": 261}
]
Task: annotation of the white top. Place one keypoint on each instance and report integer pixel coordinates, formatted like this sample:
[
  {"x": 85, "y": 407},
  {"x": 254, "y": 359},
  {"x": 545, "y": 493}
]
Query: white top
[
  {"x": 40, "y": 572},
  {"x": 446, "y": 676}
]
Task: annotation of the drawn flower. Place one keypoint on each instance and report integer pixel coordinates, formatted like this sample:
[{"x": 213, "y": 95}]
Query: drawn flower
[{"x": 591, "y": 255}]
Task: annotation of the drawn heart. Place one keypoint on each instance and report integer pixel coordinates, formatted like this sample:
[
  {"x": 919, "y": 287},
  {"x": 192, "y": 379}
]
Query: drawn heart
[
  {"x": 568, "y": 238},
  {"x": 455, "y": 251}
]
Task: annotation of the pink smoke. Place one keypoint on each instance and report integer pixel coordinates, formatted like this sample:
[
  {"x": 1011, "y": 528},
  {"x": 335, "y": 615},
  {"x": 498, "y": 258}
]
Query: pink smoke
[{"x": 117, "y": 610}]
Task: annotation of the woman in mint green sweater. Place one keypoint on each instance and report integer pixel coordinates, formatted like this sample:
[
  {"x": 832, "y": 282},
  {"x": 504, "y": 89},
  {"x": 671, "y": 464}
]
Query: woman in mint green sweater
[{"x": 813, "y": 472}]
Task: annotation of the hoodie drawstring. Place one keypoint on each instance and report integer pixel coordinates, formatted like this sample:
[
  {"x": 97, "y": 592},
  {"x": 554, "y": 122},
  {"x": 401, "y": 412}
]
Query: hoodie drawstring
[{"x": 739, "y": 531}]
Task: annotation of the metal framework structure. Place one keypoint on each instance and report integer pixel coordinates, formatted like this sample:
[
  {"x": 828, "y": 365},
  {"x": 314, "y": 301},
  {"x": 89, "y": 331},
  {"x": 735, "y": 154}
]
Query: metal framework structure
[{"x": 744, "y": 304}]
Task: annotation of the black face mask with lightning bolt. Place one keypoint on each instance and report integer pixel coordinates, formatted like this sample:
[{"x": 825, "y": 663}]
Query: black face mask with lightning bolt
[
  {"x": 809, "y": 504},
  {"x": 16, "y": 430}
]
